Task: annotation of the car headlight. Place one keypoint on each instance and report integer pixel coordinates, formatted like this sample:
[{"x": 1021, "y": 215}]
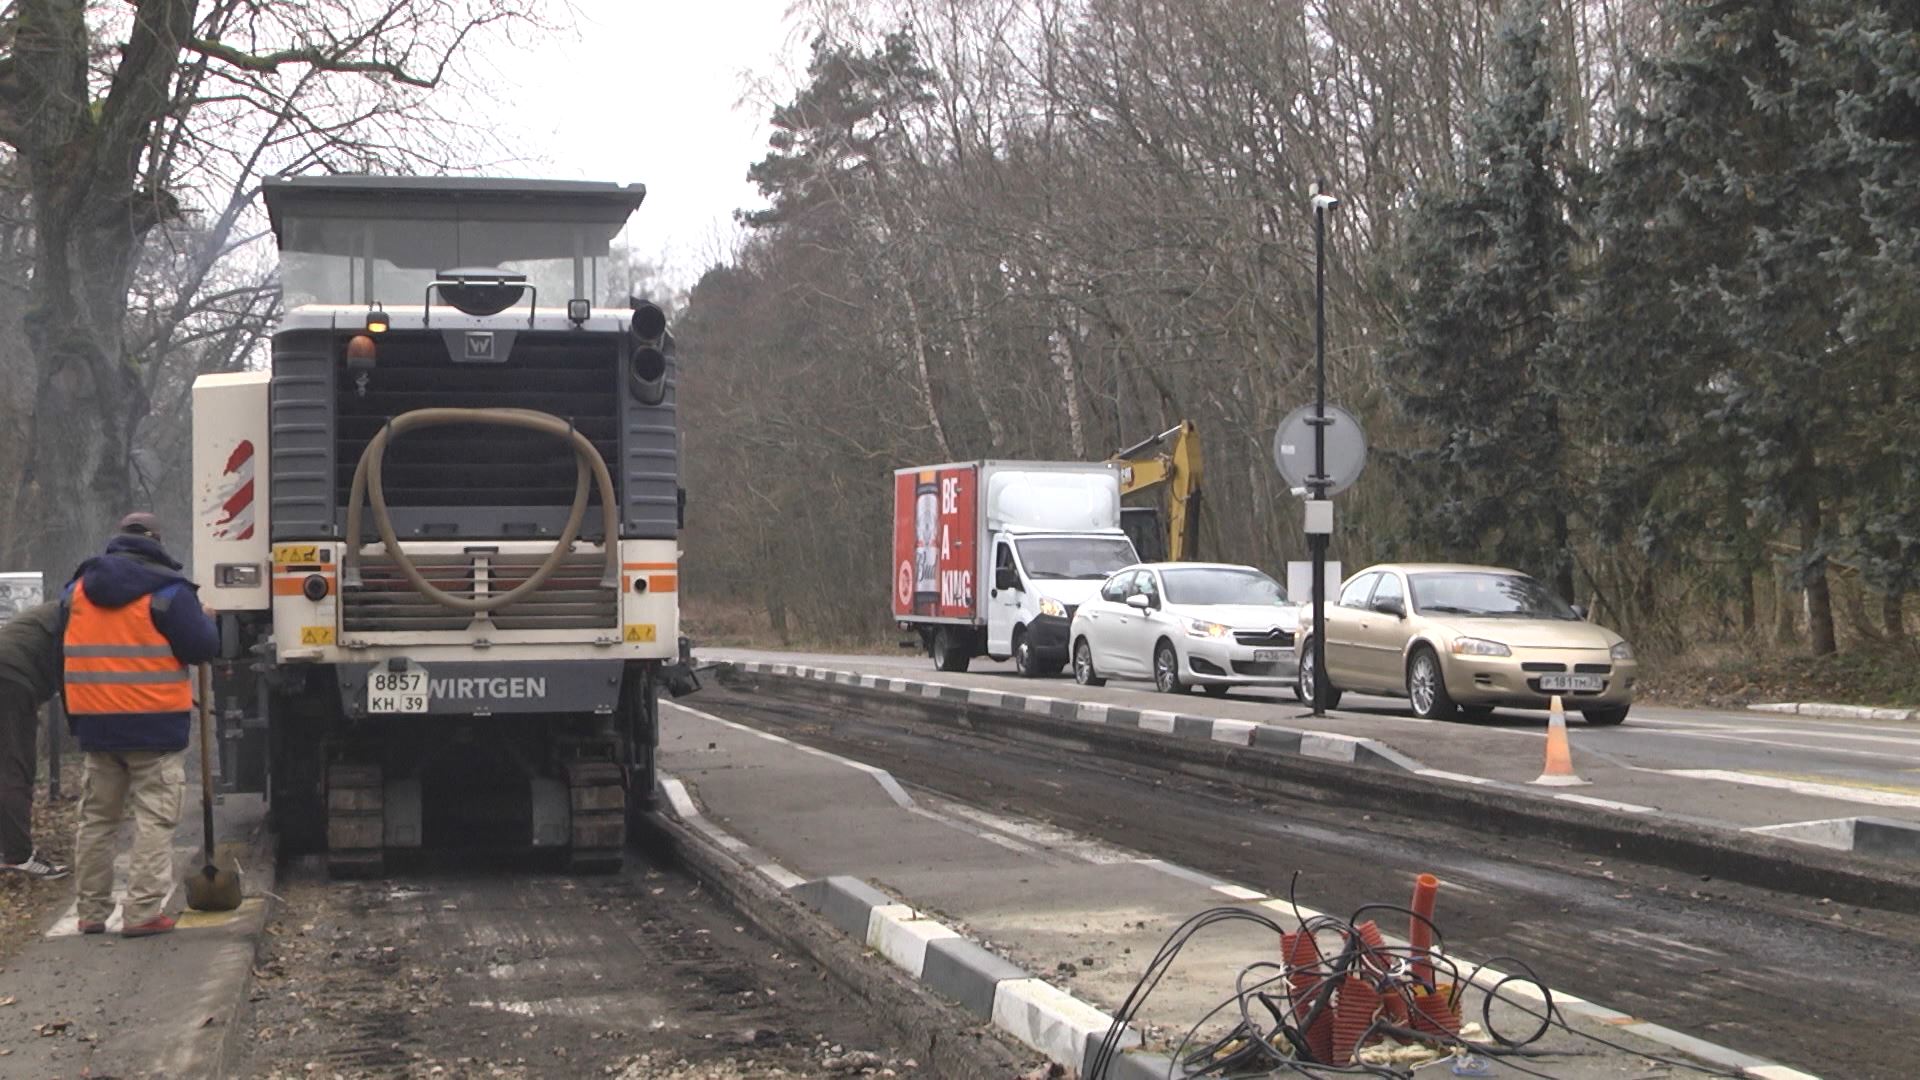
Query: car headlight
[
  {"x": 1202, "y": 628},
  {"x": 1622, "y": 651},
  {"x": 1473, "y": 646},
  {"x": 1050, "y": 606}
]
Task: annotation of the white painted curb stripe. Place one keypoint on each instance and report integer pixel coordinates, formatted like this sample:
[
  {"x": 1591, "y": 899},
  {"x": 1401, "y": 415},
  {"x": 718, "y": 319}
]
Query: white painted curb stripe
[
  {"x": 1163, "y": 722},
  {"x": 894, "y": 932},
  {"x": 1237, "y": 732},
  {"x": 1051, "y": 1020}
]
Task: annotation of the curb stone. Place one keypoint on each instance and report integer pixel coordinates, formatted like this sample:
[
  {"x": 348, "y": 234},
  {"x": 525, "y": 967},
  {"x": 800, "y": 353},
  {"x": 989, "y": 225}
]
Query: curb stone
[
  {"x": 1070, "y": 1031},
  {"x": 1867, "y": 877},
  {"x": 1835, "y": 712},
  {"x": 944, "y": 1042}
]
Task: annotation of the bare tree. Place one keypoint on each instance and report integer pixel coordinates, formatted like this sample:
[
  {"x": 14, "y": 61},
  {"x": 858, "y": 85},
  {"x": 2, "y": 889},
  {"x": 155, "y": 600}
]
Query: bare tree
[{"x": 126, "y": 121}]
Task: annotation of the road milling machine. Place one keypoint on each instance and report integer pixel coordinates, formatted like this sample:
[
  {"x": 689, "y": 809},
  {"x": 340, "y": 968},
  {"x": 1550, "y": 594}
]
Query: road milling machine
[{"x": 442, "y": 531}]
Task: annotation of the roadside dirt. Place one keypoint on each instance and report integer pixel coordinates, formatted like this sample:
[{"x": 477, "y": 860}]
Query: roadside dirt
[{"x": 498, "y": 973}]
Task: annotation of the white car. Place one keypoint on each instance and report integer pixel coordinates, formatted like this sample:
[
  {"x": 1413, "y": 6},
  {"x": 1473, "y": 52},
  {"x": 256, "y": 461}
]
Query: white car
[{"x": 1212, "y": 625}]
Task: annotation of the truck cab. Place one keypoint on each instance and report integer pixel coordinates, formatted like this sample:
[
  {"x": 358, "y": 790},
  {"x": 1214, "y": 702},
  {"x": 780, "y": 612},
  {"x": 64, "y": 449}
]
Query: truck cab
[{"x": 1039, "y": 579}]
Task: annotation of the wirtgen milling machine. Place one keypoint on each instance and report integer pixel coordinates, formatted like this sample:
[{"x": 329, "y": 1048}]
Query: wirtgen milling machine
[{"x": 442, "y": 532}]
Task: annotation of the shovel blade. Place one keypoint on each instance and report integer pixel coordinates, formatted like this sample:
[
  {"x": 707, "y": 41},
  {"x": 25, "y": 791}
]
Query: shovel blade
[{"x": 213, "y": 889}]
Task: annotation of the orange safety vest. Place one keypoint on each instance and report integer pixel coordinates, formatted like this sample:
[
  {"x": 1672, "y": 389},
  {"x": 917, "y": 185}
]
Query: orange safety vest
[{"x": 117, "y": 661}]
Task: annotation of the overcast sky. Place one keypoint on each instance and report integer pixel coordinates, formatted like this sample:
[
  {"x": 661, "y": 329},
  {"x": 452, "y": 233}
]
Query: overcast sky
[{"x": 651, "y": 91}]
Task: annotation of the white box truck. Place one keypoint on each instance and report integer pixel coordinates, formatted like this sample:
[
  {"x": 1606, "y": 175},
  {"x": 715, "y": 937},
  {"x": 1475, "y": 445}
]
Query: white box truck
[{"x": 990, "y": 558}]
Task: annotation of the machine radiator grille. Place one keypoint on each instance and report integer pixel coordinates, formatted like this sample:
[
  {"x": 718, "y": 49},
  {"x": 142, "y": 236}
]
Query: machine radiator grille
[
  {"x": 572, "y": 599},
  {"x": 479, "y": 466}
]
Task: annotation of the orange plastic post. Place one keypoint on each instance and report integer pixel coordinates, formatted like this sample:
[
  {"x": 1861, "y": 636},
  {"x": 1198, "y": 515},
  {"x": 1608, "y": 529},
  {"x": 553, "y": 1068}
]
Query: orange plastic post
[{"x": 1420, "y": 929}]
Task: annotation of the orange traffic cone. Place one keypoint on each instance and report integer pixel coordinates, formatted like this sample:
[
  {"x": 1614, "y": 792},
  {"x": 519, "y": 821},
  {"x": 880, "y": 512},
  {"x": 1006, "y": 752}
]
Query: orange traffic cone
[{"x": 1559, "y": 769}]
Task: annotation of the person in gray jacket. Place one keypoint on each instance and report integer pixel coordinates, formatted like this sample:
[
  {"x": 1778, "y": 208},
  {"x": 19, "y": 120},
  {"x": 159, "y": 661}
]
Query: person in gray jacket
[{"x": 29, "y": 675}]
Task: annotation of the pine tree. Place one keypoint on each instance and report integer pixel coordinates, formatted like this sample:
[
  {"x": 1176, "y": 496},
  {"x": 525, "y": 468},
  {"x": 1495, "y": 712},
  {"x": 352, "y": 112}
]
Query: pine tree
[
  {"x": 836, "y": 130},
  {"x": 1858, "y": 84},
  {"x": 1488, "y": 273},
  {"x": 1721, "y": 198}
]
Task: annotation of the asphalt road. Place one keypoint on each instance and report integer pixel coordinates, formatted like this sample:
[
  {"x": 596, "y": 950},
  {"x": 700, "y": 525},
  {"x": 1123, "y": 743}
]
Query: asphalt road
[
  {"x": 498, "y": 972},
  {"x": 1814, "y": 984},
  {"x": 1834, "y": 767}
]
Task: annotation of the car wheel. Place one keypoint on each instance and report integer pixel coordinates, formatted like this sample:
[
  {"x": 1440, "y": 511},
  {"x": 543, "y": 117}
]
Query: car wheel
[
  {"x": 1083, "y": 672},
  {"x": 1303, "y": 686},
  {"x": 1427, "y": 687},
  {"x": 1606, "y": 717},
  {"x": 1476, "y": 712},
  {"x": 948, "y": 655},
  {"x": 1216, "y": 691},
  {"x": 1166, "y": 669},
  {"x": 1023, "y": 661}
]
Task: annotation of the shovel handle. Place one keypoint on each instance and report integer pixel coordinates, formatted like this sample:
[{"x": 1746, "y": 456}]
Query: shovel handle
[{"x": 206, "y": 760}]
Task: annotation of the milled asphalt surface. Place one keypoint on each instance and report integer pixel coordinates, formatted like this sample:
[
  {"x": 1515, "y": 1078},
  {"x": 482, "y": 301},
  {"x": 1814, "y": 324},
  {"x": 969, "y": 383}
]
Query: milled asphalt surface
[
  {"x": 1777, "y": 976},
  {"x": 1745, "y": 769},
  {"x": 495, "y": 969}
]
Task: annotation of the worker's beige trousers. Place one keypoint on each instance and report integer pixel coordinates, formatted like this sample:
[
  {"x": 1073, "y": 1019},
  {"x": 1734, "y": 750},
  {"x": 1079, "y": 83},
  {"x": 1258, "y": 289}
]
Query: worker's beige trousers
[{"x": 150, "y": 783}]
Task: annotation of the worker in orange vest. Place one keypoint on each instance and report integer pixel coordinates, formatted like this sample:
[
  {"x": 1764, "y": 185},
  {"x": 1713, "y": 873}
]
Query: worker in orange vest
[{"x": 135, "y": 628}]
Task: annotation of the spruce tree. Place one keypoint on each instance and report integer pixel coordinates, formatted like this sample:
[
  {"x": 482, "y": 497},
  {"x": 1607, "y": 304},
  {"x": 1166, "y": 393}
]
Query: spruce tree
[
  {"x": 1736, "y": 293},
  {"x": 1487, "y": 273}
]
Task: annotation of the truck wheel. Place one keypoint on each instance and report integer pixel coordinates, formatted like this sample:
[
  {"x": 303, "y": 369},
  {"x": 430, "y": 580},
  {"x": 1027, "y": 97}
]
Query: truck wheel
[
  {"x": 1023, "y": 659},
  {"x": 1083, "y": 672},
  {"x": 948, "y": 654}
]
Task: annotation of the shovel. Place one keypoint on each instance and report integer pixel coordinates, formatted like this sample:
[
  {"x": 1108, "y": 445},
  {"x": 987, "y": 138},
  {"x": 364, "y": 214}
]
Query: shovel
[{"x": 209, "y": 888}]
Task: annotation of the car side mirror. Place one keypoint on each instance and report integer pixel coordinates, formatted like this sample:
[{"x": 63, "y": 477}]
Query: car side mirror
[
  {"x": 1006, "y": 577},
  {"x": 1580, "y": 610},
  {"x": 1391, "y": 605},
  {"x": 1140, "y": 601}
]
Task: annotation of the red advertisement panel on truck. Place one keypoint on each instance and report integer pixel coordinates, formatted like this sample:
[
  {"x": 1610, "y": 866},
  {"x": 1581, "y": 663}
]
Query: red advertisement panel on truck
[{"x": 935, "y": 523}]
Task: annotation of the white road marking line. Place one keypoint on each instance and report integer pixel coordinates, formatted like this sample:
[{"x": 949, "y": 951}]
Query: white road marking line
[
  {"x": 1605, "y": 804},
  {"x": 1041, "y": 835},
  {"x": 1878, "y": 755},
  {"x": 881, "y": 776},
  {"x": 1798, "y": 787}
]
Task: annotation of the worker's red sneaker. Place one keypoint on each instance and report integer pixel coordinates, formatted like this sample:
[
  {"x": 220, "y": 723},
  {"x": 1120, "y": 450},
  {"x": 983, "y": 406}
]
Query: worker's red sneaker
[
  {"x": 88, "y": 926},
  {"x": 159, "y": 924}
]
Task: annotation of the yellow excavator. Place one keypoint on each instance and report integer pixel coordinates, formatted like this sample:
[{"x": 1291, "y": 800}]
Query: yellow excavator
[{"x": 1169, "y": 528}]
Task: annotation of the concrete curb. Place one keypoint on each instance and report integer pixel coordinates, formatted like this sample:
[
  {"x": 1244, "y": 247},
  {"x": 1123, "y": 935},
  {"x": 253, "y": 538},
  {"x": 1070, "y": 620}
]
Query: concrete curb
[
  {"x": 1070, "y": 1031},
  {"x": 947, "y": 1041},
  {"x": 1836, "y": 712},
  {"x": 1031, "y": 1010},
  {"x": 1342, "y": 768}
]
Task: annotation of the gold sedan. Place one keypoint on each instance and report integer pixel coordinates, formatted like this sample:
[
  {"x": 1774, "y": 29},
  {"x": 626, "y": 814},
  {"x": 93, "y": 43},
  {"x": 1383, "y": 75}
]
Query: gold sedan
[{"x": 1464, "y": 639}]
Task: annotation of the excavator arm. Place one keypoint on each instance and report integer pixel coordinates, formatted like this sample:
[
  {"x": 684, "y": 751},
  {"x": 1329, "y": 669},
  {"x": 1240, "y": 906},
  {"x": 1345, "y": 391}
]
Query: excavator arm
[{"x": 1171, "y": 460}]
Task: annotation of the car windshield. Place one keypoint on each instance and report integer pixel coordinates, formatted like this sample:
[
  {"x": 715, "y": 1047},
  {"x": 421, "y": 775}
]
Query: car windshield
[
  {"x": 1468, "y": 593},
  {"x": 1221, "y": 587},
  {"x": 1087, "y": 558}
]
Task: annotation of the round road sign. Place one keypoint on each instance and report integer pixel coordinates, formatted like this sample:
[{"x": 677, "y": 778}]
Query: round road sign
[{"x": 1346, "y": 448}]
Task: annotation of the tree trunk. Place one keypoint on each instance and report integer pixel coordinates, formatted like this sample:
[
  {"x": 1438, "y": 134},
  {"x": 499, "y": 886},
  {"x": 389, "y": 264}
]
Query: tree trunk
[
  {"x": 1563, "y": 558},
  {"x": 1060, "y": 344},
  {"x": 1748, "y": 616},
  {"x": 1893, "y": 614},
  {"x": 970, "y": 353},
  {"x": 1785, "y": 626},
  {"x": 1819, "y": 593},
  {"x": 923, "y": 385},
  {"x": 87, "y": 397}
]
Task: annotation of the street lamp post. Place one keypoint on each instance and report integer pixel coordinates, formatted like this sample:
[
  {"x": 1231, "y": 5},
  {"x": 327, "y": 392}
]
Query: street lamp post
[{"x": 1317, "y": 484}]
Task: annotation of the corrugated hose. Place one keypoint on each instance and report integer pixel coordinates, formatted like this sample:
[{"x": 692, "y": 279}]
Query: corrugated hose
[{"x": 591, "y": 471}]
